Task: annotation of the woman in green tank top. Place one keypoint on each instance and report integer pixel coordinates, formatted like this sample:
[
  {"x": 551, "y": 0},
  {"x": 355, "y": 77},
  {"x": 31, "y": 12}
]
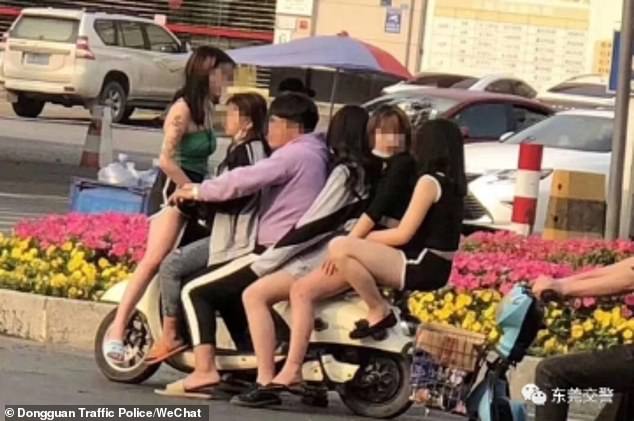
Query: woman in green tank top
[{"x": 188, "y": 142}]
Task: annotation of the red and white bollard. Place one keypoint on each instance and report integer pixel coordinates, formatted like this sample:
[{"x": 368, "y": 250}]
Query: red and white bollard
[{"x": 527, "y": 188}]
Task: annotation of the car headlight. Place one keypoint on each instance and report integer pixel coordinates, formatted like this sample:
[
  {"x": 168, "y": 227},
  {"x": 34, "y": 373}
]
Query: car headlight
[{"x": 511, "y": 175}]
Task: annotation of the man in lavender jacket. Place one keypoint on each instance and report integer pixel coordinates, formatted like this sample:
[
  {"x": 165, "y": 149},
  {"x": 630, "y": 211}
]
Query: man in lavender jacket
[{"x": 288, "y": 181}]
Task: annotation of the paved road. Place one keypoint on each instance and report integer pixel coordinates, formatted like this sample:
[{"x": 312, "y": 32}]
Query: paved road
[
  {"x": 34, "y": 374},
  {"x": 30, "y": 190}
]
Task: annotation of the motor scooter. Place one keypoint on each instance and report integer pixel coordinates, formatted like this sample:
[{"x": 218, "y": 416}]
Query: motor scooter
[{"x": 371, "y": 376}]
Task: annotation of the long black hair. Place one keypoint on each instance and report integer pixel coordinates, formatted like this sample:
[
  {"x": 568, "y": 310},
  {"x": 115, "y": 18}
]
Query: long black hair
[
  {"x": 195, "y": 92},
  {"x": 438, "y": 147},
  {"x": 348, "y": 141}
]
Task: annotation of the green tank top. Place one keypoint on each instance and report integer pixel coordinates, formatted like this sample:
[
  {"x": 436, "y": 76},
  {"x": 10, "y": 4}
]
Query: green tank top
[{"x": 195, "y": 149}]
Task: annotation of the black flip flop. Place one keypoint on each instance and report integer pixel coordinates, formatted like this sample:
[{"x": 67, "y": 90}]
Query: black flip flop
[{"x": 377, "y": 331}]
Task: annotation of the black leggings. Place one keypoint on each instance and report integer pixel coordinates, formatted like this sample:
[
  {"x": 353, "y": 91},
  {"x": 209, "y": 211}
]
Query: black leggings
[{"x": 208, "y": 294}]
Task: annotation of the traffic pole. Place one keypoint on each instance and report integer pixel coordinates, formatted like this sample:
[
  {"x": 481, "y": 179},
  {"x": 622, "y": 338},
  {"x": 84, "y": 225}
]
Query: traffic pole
[
  {"x": 527, "y": 188},
  {"x": 106, "y": 154},
  {"x": 615, "y": 182}
]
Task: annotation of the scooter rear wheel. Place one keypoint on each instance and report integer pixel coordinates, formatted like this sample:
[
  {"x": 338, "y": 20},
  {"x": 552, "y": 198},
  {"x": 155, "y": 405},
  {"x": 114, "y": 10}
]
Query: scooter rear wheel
[
  {"x": 137, "y": 342},
  {"x": 381, "y": 387}
]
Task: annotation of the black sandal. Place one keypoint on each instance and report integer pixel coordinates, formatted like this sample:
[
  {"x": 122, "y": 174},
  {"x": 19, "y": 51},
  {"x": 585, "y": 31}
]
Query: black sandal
[
  {"x": 378, "y": 331},
  {"x": 294, "y": 388}
]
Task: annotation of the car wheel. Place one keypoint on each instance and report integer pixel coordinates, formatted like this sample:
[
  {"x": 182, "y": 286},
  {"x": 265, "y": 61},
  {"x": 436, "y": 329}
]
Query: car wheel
[
  {"x": 28, "y": 107},
  {"x": 114, "y": 94}
]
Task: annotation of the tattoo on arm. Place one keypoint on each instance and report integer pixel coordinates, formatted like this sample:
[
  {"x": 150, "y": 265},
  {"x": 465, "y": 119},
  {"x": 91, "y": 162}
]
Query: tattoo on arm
[{"x": 175, "y": 128}]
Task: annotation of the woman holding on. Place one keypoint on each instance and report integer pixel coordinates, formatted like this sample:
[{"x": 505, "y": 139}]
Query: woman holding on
[
  {"x": 354, "y": 176},
  {"x": 188, "y": 142},
  {"x": 415, "y": 255},
  {"x": 245, "y": 121}
]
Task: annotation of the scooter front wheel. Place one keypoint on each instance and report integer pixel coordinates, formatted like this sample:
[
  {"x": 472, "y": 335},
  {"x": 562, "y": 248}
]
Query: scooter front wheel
[
  {"x": 137, "y": 343},
  {"x": 381, "y": 388}
]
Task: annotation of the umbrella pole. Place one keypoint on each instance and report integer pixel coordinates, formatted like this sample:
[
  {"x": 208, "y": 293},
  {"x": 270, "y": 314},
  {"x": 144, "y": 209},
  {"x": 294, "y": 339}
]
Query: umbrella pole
[{"x": 333, "y": 92}]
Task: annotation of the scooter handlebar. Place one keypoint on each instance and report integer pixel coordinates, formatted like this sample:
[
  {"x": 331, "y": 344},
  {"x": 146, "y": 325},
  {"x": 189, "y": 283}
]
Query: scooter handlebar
[{"x": 550, "y": 295}]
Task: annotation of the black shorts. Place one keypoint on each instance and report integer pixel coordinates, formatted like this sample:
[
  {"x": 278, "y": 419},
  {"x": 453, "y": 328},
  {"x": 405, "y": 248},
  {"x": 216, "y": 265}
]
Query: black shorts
[
  {"x": 427, "y": 273},
  {"x": 164, "y": 187}
]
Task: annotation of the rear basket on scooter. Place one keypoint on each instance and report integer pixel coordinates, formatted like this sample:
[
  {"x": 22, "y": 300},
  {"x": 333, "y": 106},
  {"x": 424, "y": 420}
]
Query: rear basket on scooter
[{"x": 446, "y": 360}]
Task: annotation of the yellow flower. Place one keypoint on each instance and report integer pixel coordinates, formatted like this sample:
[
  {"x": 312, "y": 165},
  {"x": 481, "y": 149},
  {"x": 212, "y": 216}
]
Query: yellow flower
[
  {"x": 588, "y": 325},
  {"x": 555, "y": 313},
  {"x": 577, "y": 331},
  {"x": 493, "y": 335},
  {"x": 489, "y": 313},
  {"x": 74, "y": 265},
  {"x": 487, "y": 296},
  {"x": 67, "y": 246},
  {"x": 24, "y": 244},
  {"x": 627, "y": 334},
  {"x": 50, "y": 250},
  {"x": 444, "y": 314},
  {"x": 428, "y": 298},
  {"x": 103, "y": 263},
  {"x": 58, "y": 280},
  {"x": 603, "y": 317},
  {"x": 448, "y": 298},
  {"x": 476, "y": 327},
  {"x": 16, "y": 253},
  {"x": 463, "y": 300},
  {"x": 550, "y": 344}
]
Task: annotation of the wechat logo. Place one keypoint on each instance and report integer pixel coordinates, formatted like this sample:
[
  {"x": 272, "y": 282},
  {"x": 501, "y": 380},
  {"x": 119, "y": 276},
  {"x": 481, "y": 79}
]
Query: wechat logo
[{"x": 532, "y": 393}]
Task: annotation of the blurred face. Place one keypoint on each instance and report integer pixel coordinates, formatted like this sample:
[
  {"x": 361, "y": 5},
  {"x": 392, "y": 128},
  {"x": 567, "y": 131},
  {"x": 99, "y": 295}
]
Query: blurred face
[
  {"x": 282, "y": 131},
  {"x": 236, "y": 125},
  {"x": 388, "y": 142},
  {"x": 220, "y": 78}
]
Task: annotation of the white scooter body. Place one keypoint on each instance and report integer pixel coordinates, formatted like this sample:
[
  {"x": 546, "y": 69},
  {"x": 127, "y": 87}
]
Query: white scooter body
[{"x": 336, "y": 319}]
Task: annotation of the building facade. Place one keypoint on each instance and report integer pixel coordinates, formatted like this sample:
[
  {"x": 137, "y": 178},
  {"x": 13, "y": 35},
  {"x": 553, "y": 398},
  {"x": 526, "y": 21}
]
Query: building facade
[
  {"x": 226, "y": 23},
  {"x": 542, "y": 41}
]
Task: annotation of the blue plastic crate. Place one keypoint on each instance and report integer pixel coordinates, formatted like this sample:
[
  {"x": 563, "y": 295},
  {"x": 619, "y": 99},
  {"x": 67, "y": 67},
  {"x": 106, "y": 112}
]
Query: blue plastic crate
[{"x": 90, "y": 196}]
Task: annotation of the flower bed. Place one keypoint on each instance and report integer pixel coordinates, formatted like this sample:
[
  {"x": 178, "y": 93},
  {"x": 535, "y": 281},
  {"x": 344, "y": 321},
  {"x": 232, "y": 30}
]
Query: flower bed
[
  {"x": 80, "y": 256},
  {"x": 490, "y": 264},
  {"x": 73, "y": 256}
]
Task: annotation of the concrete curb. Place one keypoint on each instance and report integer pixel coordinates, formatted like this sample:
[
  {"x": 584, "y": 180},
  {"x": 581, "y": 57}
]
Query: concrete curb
[{"x": 50, "y": 319}]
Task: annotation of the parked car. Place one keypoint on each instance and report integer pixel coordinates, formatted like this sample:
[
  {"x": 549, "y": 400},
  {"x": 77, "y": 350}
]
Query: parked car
[
  {"x": 482, "y": 116},
  {"x": 500, "y": 84},
  {"x": 586, "y": 92},
  {"x": 74, "y": 57},
  {"x": 577, "y": 140}
]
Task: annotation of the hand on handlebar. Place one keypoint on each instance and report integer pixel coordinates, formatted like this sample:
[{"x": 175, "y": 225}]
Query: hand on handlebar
[
  {"x": 186, "y": 192},
  {"x": 547, "y": 289}
]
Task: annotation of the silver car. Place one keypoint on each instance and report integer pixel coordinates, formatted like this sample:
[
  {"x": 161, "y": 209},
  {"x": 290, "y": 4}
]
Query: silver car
[{"x": 579, "y": 140}]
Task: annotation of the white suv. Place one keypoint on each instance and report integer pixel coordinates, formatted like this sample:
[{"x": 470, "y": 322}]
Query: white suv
[{"x": 74, "y": 57}]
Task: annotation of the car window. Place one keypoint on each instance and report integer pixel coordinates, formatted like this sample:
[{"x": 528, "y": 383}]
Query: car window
[
  {"x": 523, "y": 90},
  {"x": 107, "y": 31},
  {"x": 484, "y": 121},
  {"x": 525, "y": 117},
  {"x": 43, "y": 28},
  {"x": 502, "y": 86},
  {"x": 161, "y": 40},
  {"x": 132, "y": 34},
  {"x": 579, "y": 132}
]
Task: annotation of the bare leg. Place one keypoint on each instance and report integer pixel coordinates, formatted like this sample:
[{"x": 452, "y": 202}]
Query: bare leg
[
  {"x": 365, "y": 265},
  {"x": 205, "y": 372},
  {"x": 171, "y": 336},
  {"x": 258, "y": 300},
  {"x": 304, "y": 293},
  {"x": 163, "y": 232}
]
